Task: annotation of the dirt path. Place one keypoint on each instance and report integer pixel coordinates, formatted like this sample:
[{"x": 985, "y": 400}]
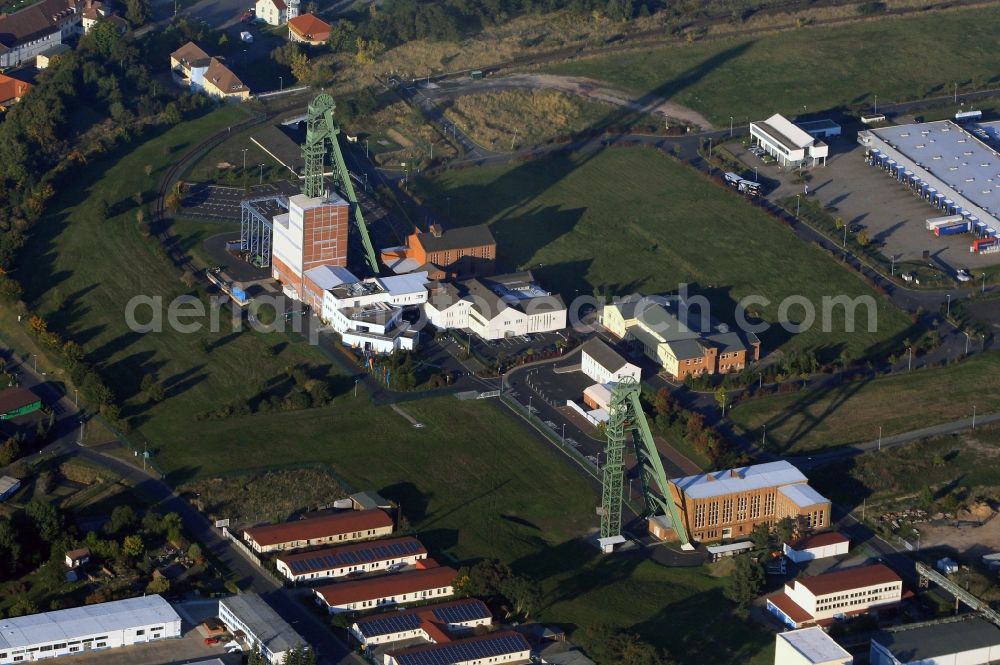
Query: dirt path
[{"x": 596, "y": 90}]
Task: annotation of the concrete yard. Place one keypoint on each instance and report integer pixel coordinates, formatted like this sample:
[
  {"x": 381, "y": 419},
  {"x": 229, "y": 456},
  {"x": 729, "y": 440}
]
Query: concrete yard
[
  {"x": 190, "y": 648},
  {"x": 888, "y": 211}
]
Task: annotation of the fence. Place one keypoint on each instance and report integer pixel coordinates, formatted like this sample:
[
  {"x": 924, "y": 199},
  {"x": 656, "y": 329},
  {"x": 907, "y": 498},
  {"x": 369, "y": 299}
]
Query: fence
[
  {"x": 277, "y": 93},
  {"x": 251, "y": 555}
]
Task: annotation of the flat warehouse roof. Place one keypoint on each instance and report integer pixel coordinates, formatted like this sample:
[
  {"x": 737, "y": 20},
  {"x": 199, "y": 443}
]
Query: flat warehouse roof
[
  {"x": 814, "y": 645},
  {"x": 924, "y": 643},
  {"x": 949, "y": 158},
  {"x": 78, "y": 622}
]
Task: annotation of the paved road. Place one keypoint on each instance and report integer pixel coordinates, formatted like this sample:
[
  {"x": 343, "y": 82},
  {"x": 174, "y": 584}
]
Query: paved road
[{"x": 67, "y": 433}]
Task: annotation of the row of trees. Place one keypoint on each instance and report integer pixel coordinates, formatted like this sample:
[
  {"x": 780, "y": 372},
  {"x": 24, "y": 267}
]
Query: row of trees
[
  {"x": 748, "y": 576},
  {"x": 705, "y": 439}
]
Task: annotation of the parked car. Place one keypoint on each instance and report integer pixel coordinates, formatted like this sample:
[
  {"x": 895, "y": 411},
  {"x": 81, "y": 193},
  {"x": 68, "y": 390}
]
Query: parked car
[{"x": 963, "y": 275}]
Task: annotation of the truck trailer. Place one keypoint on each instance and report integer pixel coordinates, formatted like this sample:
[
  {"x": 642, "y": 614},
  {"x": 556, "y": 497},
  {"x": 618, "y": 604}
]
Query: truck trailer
[
  {"x": 983, "y": 245},
  {"x": 935, "y": 222},
  {"x": 952, "y": 229}
]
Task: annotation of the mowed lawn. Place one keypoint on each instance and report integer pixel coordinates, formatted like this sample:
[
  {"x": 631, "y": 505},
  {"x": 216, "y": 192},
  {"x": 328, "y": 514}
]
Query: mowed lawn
[
  {"x": 812, "y": 69},
  {"x": 85, "y": 270},
  {"x": 853, "y": 412},
  {"x": 630, "y": 220}
]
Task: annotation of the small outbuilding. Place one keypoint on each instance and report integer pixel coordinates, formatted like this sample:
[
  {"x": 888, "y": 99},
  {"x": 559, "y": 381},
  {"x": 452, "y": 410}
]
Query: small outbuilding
[
  {"x": 817, "y": 546},
  {"x": 8, "y": 487}
]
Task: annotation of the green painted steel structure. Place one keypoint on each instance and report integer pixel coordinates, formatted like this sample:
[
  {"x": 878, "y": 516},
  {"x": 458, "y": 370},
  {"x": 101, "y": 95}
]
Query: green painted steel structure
[
  {"x": 625, "y": 419},
  {"x": 320, "y": 127}
]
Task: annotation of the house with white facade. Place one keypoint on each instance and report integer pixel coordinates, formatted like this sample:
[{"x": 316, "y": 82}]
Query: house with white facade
[
  {"x": 600, "y": 362},
  {"x": 817, "y": 546},
  {"x": 434, "y": 623},
  {"x": 272, "y": 12},
  {"x": 37, "y": 28},
  {"x": 331, "y": 562},
  {"x": 259, "y": 626},
  {"x": 496, "y": 307},
  {"x": 835, "y": 595},
  {"x": 430, "y": 582},
  {"x": 368, "y": 313}
]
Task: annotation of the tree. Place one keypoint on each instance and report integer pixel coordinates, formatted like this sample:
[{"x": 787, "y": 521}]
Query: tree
[
  {"x": 664, "y": 403},
  {"x": 10, "y": 548},
  {"x": 838, "y": 223},
  {"x": 863, "y": 239},
  {"x": 342, "y": 36},
  {"x": 760, "y": 536},
  {"x": 256, "y": 658},
  {"x": 122, "y": 517},
  {"x": 22, "y": 607},
  {"x": 173, "y": 201},
  {"x": 720, "y": 398},
  {"x": 746, "y": 581},
  {"x": 195, "y": 554},
  {"x": 368, "y": 50},
  {"x": 137, "y": 11},
  {"x": 10, "y": 450},
  {"x": 133, "y": 546},
  {"x": 46, "y": 518},
  {"x": 158, "y": 584},
  {"x": 300, "y": 67},
  {"x": 523, "y": 592},
  {"x": 152, "y": 388},
  {"x": 784, "y": 530}
]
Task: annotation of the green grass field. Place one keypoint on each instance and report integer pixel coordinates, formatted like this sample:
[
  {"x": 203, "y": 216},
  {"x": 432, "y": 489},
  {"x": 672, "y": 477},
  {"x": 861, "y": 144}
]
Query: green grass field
[
  {"x": 853, "y": 412},
  {"x": 635, "y": 220},
  {"x": 811, "y": 69}
]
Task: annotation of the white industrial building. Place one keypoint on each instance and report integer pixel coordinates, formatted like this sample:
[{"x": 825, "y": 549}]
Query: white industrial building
[
  {"x": 84, "y": 629},
  {"x": 817, "y": 546},
  {"x": 432, "y": 582},
  {"x": 843, "y": 593},
  {"x": 368, "y": 314},
  {"x": 377, "y": 555},
  {"x": 809, "y": 646},
  {"x": 496, "y": 307},
  {"x": 601, "y": 363},
  {"x": 972, "y": 641},
  {"x": 260, "y": 625},
  {"x": 950, "y": 167},
  {"x": 790, "y": 145}
]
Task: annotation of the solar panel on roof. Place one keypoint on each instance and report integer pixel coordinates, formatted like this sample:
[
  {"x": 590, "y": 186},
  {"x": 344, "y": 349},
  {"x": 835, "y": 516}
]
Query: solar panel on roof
[
  {"x": 460, "y": 613},
  {"x": 389, "y": 624},
  {"x": 462, "y": 651}
]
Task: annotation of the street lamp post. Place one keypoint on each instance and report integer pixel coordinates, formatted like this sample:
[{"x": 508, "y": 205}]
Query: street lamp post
[
  {"x": 798, "y": 201},
  {"x": 763, "y": 433},
  {"x": 76, "y": 400},
  {"x": 949, "y": 305},
  {"x": 892, "y": 267},
  {"x": 966, "y": 342},
  {"x": 730, "y": 126},
  {"x": 245, "y": 159},
  {"x": 755, "y": 174},
  {"x": 973, "y": 416},
  {"x": 564, "y": 433},
  {"x": 880, "y": 437},
  {"x": 366, "y": 148},
  {"x": 909, "y": 362},
  {"x": 262, "y": 174},
  {"x": 281, "y": 83},
  {"x": 984, "y": 284},
  {"x": 34, "y": 357},
  {"x": 876, "y": 105}
]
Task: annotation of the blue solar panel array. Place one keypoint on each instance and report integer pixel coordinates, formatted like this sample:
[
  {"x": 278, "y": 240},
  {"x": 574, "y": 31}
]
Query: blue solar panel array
[
  {"x": 389, "y": 624},
  {"x": 464, "y": 650},
  {"x": 375, "y": 552},
  {"x": 469, "y": 611}
]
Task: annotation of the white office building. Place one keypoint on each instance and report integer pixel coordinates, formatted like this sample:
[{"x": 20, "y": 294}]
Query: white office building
[
  {"x": 809, "y": 646},
  {"x": 839, "y": 594},
  {"x": 260, "y": 625},
  {"x": 85, "y": 629},
  {"x": 601, "y": 363},
  {"x": 368, "y": 313},
  {"x": 790, "y": 145}
]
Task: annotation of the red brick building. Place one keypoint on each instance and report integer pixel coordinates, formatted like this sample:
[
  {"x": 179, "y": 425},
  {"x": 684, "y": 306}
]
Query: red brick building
[
  {"x": 312, "y": 233},
  {"x": 466, "y": 251}
]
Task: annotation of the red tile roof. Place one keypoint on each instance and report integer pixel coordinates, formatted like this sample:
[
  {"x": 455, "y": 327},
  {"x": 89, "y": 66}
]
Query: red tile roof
[
  {"x": 384, "y": 586},
  {"x": 319, "y": 527},
  {"x": 852, "y": 578},
  {"x": 790, "y": 608},
  {"x": 310, "y": 27},
  {"x": 819, "y": 540},
  {"x": 278, "y": 4},
  {"x": 13, "y": 399}
]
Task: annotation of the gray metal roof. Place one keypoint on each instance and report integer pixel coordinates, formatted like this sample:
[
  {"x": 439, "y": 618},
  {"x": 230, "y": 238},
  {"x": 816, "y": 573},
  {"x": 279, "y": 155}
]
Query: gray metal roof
[
  {"x": 457, "y": 238},
  {"x": 369, "y": 500},
  {"x": 951, "y": 159},
  {"x": 730, "y": 481},
  {"x": 910, "y": 645},
  {"x": 328, "y": 277},
  {"x": 803, "y": 496},
  {"x": 77, "y": 622},
  {"x": 7, "y": 483},
  {"x": 686, "y": 349},
  {"x": 815, "y": 645},
  {"x": 603, "y": 354},
  {"x": 266, "y": 624}
]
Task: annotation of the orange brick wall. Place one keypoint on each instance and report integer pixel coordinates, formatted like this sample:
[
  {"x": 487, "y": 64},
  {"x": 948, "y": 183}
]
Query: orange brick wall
[{"x": 324, "y": 241}]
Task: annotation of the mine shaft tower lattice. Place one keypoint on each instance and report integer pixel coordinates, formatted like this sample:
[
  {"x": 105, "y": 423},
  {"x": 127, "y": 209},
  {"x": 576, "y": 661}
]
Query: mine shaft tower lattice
[
  {"x": 626, "y": 420},
  {"x": 320, "y": 128}
]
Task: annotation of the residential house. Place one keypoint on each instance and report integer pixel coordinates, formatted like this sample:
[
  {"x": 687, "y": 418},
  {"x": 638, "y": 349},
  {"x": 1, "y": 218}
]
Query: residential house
[
  {"x": 308, "y": 29},
  {"x": 272, "y": 12},
  {"x": 37, "y": 28}
]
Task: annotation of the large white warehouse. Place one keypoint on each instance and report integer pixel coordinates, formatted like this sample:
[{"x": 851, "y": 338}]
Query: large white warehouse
[{"x": 89, "y": 628}]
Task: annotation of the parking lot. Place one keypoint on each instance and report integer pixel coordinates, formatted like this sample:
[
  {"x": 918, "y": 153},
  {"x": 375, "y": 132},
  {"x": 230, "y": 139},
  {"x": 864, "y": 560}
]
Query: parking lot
[{"x": 867, "y": 199}]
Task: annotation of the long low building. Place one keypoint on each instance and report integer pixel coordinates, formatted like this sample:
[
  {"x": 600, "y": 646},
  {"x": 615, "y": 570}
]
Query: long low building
[
  {"x": 501, "y": 647},
  {"x": 972, "y": 641},
  {"x": 84, "y": 629},
  {"x": 341, "y": 527},
  {"x": 817, "y": 546},
  {"x": 948, "y": 166},
  {"x": 843, "y": 593},
  {"x": 433, "y": 623},
  {"x": 261, "y": 627},
  {"x": 388, "y": 590},
  {"x": 349, "y": 559}
]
